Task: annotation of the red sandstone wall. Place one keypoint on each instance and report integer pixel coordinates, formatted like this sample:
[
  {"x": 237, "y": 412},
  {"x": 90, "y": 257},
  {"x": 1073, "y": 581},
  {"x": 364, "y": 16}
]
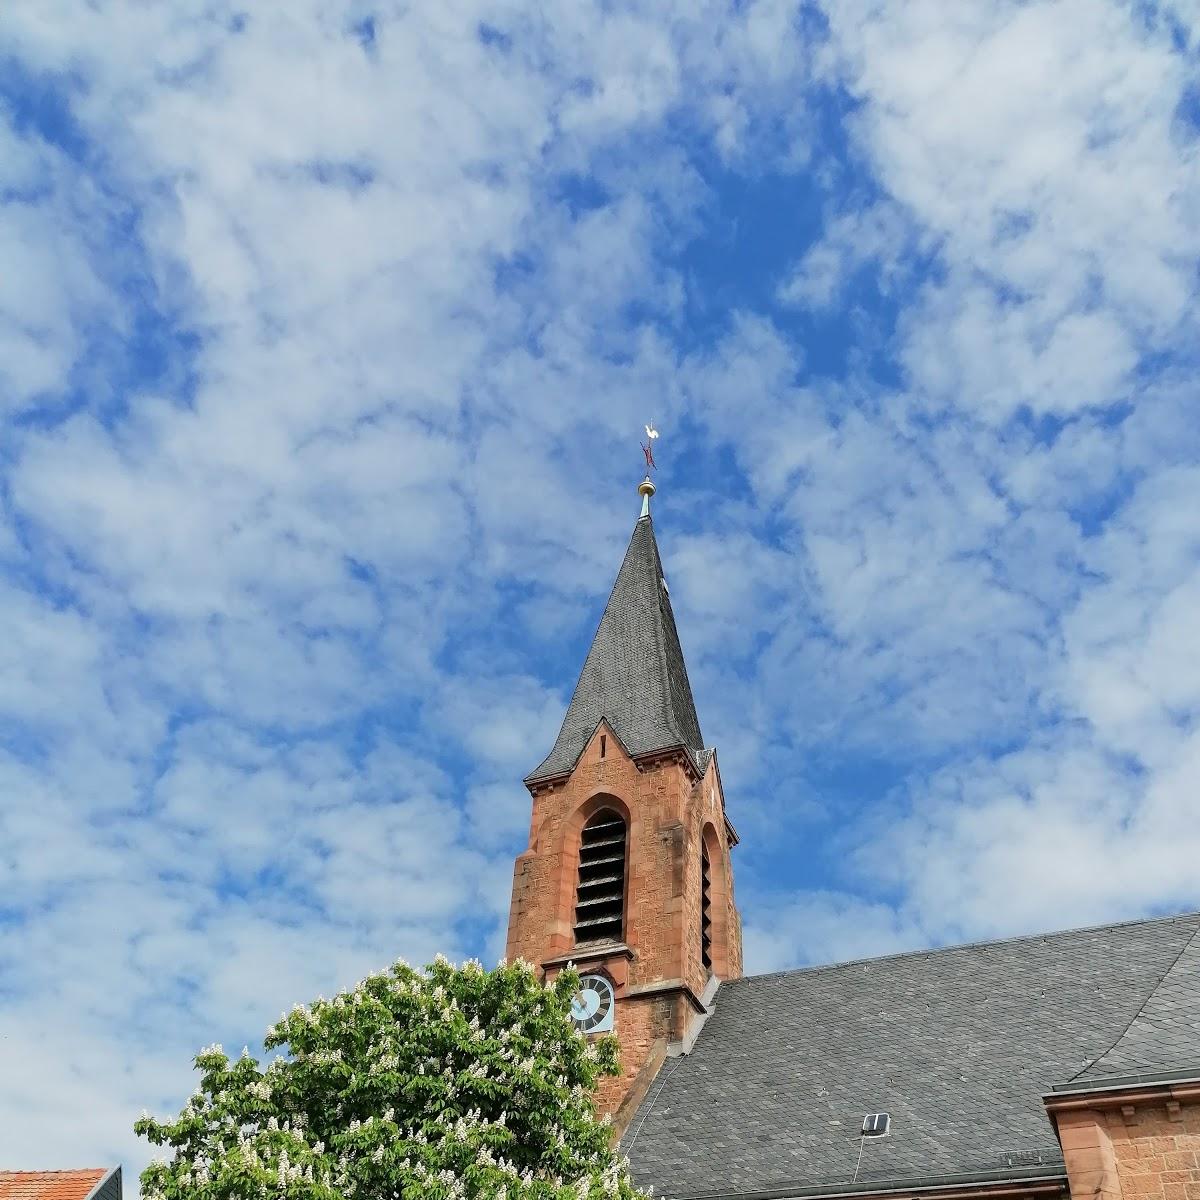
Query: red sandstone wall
[
  {"x": 1089, "y": 1155},
  {"x": 1149, "y": 1150},
  {"x": 1157, "y": 1151},
  {"x": 667, "y": 813},
  {"x": 638, "y": 1027}
]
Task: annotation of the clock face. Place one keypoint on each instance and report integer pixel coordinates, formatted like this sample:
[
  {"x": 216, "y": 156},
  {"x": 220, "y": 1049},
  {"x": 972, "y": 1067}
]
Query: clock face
[{"x": 592, "y": 1010}]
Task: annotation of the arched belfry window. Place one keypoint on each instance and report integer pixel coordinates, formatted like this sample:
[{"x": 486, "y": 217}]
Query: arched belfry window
[
  {"x": 705, "y": 910},
  {"x": 600, "y": 900}
]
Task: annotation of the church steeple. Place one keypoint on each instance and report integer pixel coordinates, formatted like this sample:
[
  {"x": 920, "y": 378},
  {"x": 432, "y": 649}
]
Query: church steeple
[
  {"x": 627, "y": 874},
  {"x": 634, "y": 676}
]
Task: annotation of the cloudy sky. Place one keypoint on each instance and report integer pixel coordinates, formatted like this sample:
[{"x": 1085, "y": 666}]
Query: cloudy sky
[{"x": 327, "y": 331}]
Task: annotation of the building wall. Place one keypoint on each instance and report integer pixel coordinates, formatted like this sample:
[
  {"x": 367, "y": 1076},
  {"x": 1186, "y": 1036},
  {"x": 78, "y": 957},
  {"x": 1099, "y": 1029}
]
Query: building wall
[
  {"x": 1089, "y": 1155},
  {"x": 1145, "y": 1149},
  {"x": 640, "y": 1027},
  {"x": 1157, "y": 1151},
  {"x": 659, "y": 979}
]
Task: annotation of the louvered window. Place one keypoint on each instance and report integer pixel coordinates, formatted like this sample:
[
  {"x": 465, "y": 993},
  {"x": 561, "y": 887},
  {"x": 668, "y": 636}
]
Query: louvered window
[
  {"x": 705, "y": 910},
  {"x": 600, "y": 902}
]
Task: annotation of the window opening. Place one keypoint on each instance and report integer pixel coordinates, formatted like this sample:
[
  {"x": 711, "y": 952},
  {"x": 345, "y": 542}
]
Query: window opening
[
  {"x": 705, "y": 910},
  {"x": 876, "y": 1124},
  {"x": 600, "y": 899},
  {"x": 603, "y": 744}
]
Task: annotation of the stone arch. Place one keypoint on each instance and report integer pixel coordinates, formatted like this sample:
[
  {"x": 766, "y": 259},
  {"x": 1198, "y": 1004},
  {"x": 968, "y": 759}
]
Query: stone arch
[
  {"x": 572, "y": 840},
  {"x": 712, "y": 846},
  {"x": 600, "y": 884}
]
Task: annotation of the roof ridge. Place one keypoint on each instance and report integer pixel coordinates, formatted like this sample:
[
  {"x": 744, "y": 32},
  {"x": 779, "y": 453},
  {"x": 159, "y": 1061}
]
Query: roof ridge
[{"x": 1192, "y": 914}]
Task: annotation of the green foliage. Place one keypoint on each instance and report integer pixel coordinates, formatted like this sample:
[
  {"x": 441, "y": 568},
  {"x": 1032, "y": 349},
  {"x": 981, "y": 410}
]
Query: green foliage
[{"x": 414, "y": 1085}]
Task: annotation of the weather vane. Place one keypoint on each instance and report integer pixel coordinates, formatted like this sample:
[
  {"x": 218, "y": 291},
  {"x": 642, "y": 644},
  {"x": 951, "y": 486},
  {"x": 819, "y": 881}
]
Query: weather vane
[
  {"x": 648, "y": 448},
  {"x": 646, "y": 488}
]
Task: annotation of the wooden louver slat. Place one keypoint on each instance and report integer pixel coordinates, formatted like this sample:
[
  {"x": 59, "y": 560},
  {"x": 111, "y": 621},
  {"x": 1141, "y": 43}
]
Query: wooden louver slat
[{"x": 600, "y": 897}]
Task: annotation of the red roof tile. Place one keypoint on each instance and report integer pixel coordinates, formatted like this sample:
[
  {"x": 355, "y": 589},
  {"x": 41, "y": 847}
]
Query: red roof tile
[{"x": 49, "y": 1185}]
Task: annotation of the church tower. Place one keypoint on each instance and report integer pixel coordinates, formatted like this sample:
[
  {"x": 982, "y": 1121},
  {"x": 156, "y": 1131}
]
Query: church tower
[{"x": 627, "y": 873}]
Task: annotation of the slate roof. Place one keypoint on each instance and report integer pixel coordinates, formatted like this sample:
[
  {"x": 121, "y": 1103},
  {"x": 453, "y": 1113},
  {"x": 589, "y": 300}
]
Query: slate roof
[
  {"x": 1166, "y": 1031},
  {"x": 634, "y": 675},
  {"x": 959, "y": 1045},
  {"x": 50, "y": 1185}
]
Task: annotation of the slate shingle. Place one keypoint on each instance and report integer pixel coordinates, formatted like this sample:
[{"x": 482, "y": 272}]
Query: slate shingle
[
  {"x": 634, "y": 674},
  {"x": 959, "y": 1045},
  {"x": 1165, "y": 1033}
]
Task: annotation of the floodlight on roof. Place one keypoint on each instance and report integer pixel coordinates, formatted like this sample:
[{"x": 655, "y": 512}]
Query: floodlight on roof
[{"x": 876, "y": 1124}]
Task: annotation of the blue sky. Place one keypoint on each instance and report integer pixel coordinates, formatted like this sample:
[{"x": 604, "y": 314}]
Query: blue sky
[{"x": 327, "y": 332}]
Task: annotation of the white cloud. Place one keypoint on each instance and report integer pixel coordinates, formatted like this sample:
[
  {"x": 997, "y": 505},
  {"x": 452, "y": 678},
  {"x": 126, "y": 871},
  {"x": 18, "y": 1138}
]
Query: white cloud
[
  {"x": 877, "y": 235},
  {"x": 49, "y": 294},
  {"x": 1050, "y": 170},
  {"x": 268, "y": 720},
  {"x": 288, "y": 605},
  {"x": 1018, "y": 584},
  {"x": 824, "y": 926}
]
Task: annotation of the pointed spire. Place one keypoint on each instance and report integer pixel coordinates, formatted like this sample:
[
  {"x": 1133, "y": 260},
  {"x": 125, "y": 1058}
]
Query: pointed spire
[{"x": 634, "y": 675}]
